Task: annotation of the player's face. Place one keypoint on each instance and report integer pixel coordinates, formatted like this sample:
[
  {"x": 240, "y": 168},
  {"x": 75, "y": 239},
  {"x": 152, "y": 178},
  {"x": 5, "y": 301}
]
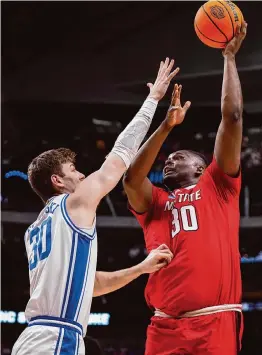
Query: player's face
[
  {"x": 71, "y": 177},
  {"x": 180, "y": 167}
]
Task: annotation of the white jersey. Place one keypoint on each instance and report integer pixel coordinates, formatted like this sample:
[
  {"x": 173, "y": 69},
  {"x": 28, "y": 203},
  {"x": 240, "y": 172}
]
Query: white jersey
[{"x": 62, "y": 265}]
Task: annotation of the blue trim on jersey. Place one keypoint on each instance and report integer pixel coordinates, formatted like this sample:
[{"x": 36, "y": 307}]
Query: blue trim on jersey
[
  {"x": 86, "y": 277},
  {"x": 71, "y": 224},
  {"x": 69, "y": 272},
  {"x": 58, "y": 319},
  {"x": 79, "y": 275},
  {"x": 77, "y": 344},
  {"x": 58, "y": 341},
  {"x": 69, "y": 343},
  {"x": 56, "y": 325}
]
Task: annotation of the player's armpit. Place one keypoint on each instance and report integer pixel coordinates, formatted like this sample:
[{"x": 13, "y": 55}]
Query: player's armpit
[{"x": 140, "y": 197}]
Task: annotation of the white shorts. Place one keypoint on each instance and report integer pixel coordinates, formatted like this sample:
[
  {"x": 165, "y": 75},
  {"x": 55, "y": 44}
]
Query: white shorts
[{"x": 50, "y": 335}]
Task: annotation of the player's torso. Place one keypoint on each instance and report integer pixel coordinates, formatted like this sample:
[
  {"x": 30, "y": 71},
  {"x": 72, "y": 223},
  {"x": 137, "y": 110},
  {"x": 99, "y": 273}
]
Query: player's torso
[
  {"x": 202, "y": 232},
  {"x": 62, "y": 264}
]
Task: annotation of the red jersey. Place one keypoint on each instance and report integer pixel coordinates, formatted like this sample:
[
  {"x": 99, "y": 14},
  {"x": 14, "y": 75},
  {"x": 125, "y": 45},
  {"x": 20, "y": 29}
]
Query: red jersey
[{"x": 200, "y": 225}]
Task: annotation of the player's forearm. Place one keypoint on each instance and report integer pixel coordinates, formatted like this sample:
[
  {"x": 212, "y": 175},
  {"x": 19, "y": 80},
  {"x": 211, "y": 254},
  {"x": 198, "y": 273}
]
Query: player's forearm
[
  {"x": 101, "y": 182},
  {"x": 229, "y": 136},
  {"x": 231, "y": 100},
  {"x": 146, "y": 156},
  {"x": 129, "y": 141},
  {"x": 106, "y": 282}
]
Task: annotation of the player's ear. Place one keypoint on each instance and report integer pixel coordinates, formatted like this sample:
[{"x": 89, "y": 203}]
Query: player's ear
[
  {"x": 57, "y": 181},
  {"x": 200, "y": 170}
]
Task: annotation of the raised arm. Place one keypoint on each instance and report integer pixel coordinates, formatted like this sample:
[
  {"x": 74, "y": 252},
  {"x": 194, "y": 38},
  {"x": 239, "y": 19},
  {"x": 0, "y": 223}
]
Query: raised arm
[
  {"x": 106, "y": 282},
  {"x": 229, "y": 136},
  {"x": 137, "y": 186},
  {"x": 92, "y": 189}
]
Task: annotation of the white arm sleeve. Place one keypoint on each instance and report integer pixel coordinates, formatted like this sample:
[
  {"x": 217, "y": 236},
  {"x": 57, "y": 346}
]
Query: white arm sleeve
[{"x": 129, "y": 141}]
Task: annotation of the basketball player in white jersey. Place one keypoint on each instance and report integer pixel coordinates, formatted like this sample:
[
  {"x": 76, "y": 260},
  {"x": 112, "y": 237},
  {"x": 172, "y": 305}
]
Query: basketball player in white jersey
[{"x": 62, "y": 243}]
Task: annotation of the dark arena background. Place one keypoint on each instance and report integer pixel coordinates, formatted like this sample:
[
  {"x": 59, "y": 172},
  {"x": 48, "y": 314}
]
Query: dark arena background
[{"x": 73, "y": 75}]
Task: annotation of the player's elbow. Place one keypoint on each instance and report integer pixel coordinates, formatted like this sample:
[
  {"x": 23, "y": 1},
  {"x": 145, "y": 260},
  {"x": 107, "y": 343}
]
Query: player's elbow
[
  {"x": 230, "y": 111},
  {"x": 233, "y": 116},
  {"x": 236, "y": 115},
  {"x": 130, "y": 181},
  {"x": 127, "y": 181}
]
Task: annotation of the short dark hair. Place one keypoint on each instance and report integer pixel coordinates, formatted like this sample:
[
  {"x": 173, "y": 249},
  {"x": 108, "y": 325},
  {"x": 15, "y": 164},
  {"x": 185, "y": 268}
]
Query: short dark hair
[
  {"x": 201, "y": 156},
  {"x": 44, "y": 166}
]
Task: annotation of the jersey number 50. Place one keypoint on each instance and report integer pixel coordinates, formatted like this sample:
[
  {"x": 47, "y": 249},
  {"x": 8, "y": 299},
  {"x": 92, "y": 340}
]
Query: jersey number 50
[
  {"x": 40, "y": 237},
  {"x": 186, "y": 217}
]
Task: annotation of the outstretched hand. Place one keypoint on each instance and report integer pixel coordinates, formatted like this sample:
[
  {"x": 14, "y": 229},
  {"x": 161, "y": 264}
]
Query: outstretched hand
[
  {"x": 176, "y": 113},
  {"x": 164, "y": 77},
  {"x": 235, "y": 43},
  {"x": 156, "y": 259}
]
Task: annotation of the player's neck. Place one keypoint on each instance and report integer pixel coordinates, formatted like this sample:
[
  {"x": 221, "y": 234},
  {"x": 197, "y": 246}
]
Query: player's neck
[{"x": 180, "y": 184}]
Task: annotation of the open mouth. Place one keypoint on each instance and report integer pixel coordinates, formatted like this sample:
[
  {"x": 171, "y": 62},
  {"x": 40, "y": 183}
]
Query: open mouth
[{"x": 168, "y": 170}]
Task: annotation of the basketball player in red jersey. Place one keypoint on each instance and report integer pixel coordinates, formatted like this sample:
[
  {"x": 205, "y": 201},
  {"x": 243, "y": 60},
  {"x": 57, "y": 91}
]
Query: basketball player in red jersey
[{"x": 197, "y": 297}]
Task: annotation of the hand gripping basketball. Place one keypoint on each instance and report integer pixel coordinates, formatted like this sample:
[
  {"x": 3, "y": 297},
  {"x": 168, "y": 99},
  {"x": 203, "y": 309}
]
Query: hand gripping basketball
[{"x": 234, "y": 45}]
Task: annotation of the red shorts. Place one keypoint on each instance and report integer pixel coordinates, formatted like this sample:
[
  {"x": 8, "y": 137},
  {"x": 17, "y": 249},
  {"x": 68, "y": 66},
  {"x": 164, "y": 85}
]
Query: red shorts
[{"x": 214, "y": 334}]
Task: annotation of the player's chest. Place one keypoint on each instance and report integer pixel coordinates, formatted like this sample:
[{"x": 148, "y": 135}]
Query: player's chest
[
  {"x": 181, "y": 210},
  {"x": 179, "y": 199}
]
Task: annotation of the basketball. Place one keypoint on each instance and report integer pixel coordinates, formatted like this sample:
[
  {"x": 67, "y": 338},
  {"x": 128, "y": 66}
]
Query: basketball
[{"x": 216, "y": 22}]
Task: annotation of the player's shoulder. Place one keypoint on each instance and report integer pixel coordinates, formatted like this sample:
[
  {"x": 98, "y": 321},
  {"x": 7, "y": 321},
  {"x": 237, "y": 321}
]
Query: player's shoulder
[
  {"x": 53, "y": 203},
  {"x": 158, "y": 193},
  {"x": 159, "y": 189},
  {"x": 57, "y": 199},
  {"x": 52, "y": 206},
  {"x": 215, "y": 173},
  {"x": 211, "y": 170}
]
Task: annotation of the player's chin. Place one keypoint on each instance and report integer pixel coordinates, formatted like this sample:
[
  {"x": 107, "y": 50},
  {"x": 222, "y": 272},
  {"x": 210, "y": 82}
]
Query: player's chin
[{"x": 169, "y": 178}]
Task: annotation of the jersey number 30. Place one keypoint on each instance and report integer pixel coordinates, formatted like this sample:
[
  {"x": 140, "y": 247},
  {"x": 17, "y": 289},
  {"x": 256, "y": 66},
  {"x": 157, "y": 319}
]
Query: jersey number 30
[
  {"x": 40, "y": 237},
  {"x": 185, "y": 217}
]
